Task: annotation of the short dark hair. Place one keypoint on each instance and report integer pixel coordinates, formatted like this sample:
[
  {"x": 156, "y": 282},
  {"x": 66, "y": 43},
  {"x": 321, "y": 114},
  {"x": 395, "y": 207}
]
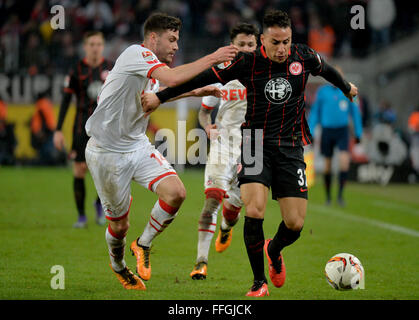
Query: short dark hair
[
  {"x": 276, "y": 18},
  {"x": 160, "y": 22},
  {"x": 89, "y": 34},
  {"x": 243, "y": 27}
]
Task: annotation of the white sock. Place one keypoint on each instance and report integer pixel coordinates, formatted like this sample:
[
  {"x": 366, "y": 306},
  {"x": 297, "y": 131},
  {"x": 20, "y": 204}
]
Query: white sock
[
  {"x": 116, "y": 248},
  {"x": 161, "y": 216},
  {"x": 207, "y": 226}
]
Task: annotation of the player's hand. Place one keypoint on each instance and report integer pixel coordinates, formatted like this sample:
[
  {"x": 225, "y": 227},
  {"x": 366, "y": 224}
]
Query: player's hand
[
  {"x": 207, "y": 91},
  {"x": 225, "y": 54},
  {"x": 58, "y": 140},
  {"x": 150, "y": 102},
  {"x": 212, "y": 131},
  {"x": 352, "y": 93}
]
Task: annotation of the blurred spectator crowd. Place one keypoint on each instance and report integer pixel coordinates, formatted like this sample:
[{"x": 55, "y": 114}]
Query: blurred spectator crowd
[{"x": 30, "y": 46}]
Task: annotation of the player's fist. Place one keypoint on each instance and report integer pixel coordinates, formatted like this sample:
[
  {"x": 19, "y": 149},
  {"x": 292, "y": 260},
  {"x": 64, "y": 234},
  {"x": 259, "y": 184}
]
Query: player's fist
[
  {"x": 352, "y": 93},
  {"x": 224, "y": 54},
  {"x": 212, "y": 131},
  {"x": 207, "y": 91},
  {"x": 58, "y": 140},
  {"x": 150, "y": 102}
]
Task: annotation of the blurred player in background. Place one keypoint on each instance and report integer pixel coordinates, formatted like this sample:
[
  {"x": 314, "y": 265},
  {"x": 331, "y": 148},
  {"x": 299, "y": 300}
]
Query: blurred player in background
[
  {"x": 331, "y": 110},
  {"x": 221, "y": 168},
  {"x": 84, "y": 80},
  {"x": 119, "y": 150},
  {"x": 275, "y": 77}
]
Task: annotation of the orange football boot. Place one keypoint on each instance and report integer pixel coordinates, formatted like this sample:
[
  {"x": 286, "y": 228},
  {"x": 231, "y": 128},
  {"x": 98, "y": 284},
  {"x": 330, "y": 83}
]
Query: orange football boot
[
  {"x": 199, "y": 271},
  {"x": 129, "y": 280},
  {"x": 259, "y": 289},
  {"x": 277, "y": 272},
  {"x": 143, "y": 260},
  {"x": 223, "y": 240}
]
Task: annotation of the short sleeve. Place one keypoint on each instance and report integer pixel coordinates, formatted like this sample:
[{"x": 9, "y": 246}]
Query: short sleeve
[
  {"x": 314, "y": 62},
  {"x": 138, "y": 60},
  {"x": 210, "y": 102},
  {"x": 232, "y": 70}
]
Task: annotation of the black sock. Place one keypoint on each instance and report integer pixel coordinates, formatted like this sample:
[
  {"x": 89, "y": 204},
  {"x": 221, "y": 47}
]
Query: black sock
[
  {"x": 327, "y": 184},
  {"x": 343, "y": 176},
  {"x": 79, "y": 195},
  {"x": 254, "y": 240},
  {"x": 284, "y": 237}
]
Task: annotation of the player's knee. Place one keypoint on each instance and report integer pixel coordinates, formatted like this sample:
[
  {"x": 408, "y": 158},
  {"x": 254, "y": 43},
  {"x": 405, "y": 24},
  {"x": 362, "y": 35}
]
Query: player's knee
[
  {"x": 120, "y": 228},
  {"x": 295, "y": 224},
  {"x": 175, "y": 196},
  {"x": 255, "y": 211}
]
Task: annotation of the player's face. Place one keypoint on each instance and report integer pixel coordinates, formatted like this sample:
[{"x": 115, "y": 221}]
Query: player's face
[
  {"x": 166, "y": 45},
  {"x": 277, "y": 43},
  {"x": 93, "y": 47},
  {"x": 245, "y": 42}
]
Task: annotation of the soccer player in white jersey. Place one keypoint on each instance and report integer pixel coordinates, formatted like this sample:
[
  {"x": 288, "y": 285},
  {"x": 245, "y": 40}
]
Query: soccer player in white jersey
[
  {"x": 119, "y": 151},
  {"x": 221, "y": 181}
]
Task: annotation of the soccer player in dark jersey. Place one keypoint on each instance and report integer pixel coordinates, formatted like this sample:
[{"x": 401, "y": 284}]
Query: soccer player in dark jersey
[
  {"x": 275, "y": 76},
  {"x": 84, "y": 81}
]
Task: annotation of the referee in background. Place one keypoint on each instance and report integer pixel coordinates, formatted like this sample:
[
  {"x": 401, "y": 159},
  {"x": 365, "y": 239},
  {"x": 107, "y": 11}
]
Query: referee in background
[{"x": 331, "y": 110}]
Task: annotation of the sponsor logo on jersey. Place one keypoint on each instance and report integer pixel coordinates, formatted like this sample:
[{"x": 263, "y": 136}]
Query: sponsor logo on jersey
[
  {"x": 295, "y": 68},
  {"x": 278, "y": 90},
  {"x": 233, "y": 94},
  {"x": 148, "y": 57},
  {"x": 224, "y": 65}
]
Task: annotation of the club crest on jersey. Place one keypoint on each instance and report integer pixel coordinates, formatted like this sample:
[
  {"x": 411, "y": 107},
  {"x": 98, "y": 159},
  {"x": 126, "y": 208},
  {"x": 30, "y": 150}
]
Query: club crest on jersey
[
  {"x": 278, "y": 90},
  {"x": 149, "y": 57},
  {"x": 295, "y": 68},
  {"x": 224, "y": 65}
]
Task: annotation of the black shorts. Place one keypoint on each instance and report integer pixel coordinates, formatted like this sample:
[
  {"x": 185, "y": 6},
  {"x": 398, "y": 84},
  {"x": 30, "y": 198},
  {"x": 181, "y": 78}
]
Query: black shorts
[
  {"x": 79, "y": 146},
  {"x": 332, "y": 137},
  {"x": 283, "y": 170}
]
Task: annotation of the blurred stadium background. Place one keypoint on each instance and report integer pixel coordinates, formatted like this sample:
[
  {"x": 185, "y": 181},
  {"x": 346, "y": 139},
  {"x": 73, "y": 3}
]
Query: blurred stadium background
[{"x": 382, "y": 59}]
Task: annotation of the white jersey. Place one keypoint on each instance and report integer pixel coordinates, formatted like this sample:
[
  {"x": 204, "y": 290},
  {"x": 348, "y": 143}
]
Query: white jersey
[
  {"x": 118, "y": 123},
  {"x": 231, "y": 110}
]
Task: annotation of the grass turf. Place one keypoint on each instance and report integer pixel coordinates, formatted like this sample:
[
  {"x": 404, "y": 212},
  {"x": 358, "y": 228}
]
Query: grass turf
[{"x": 380, "y": 225}]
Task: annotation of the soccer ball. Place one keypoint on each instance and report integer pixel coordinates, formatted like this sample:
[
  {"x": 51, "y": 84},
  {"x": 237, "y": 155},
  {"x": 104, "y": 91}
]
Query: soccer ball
[{"x": 344, "y": 271}]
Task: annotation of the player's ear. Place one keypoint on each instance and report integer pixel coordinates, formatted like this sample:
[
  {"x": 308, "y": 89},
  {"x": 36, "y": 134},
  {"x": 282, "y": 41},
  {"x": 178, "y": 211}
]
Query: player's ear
[{"x": 262, "y": 38}]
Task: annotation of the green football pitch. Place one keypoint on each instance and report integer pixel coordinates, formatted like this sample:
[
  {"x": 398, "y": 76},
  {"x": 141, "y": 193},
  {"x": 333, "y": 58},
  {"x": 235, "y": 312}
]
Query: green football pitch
[{"x": 379, "y": 225}]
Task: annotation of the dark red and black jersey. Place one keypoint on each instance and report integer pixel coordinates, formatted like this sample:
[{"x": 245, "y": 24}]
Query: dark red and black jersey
[
  {"x": 85, "y": 82},
  {"x": 275, "y": 92}
]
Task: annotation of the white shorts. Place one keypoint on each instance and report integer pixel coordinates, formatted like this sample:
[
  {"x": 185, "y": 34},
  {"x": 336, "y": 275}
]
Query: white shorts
[
  {"x": 113, "y": 172},
  {"x": 221, "y": 172}
]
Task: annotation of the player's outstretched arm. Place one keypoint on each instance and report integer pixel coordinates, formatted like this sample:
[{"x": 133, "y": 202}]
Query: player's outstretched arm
[
  {"x": 335, "y": 78},
  {"x": 150, "y": 101},
  {"x": 175, "y": 76}
]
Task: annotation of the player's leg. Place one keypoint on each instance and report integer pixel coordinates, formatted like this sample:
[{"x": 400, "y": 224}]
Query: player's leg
[
  {"x": 171, "y": 193},
  {"x": 254, "y": 196},
  {"x": 289, "y": 187},
  {"x": 344, "y": 161},
  {"x": 155, "y": 173},
  {"x": 112, "y": 179},
  {"x": 79, "y": 188},
  {"x": 326, "y": 149},
  {"x": 231, "y": 212}
]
